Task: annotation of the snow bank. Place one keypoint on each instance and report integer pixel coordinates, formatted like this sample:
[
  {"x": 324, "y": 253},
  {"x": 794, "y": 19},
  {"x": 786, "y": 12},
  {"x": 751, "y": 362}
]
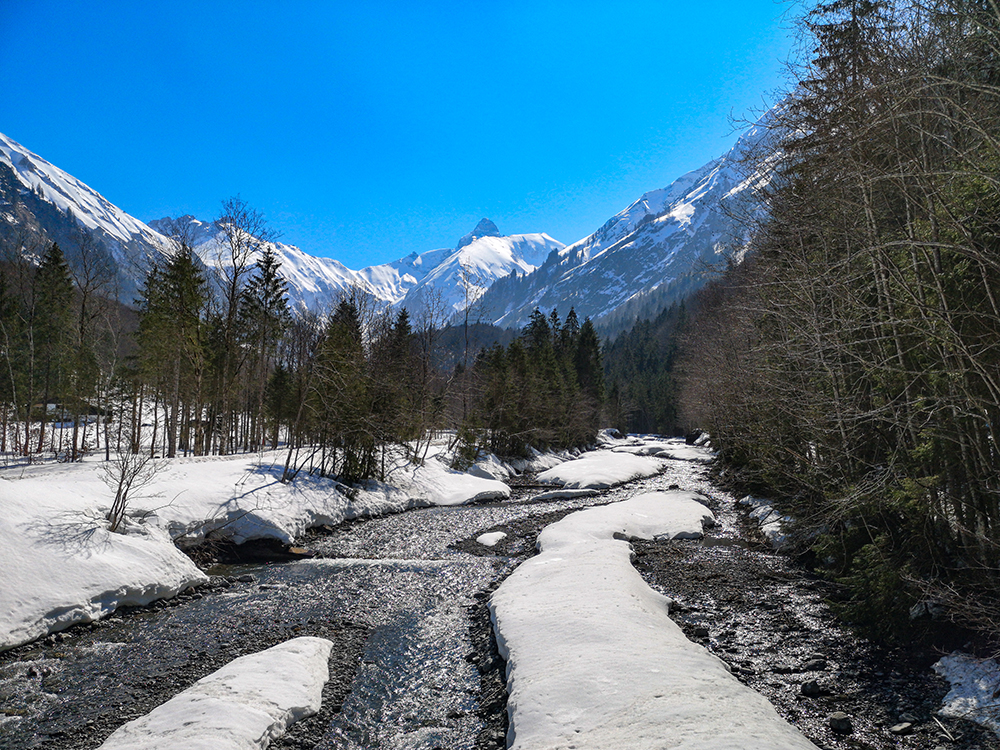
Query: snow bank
[
  {"x": 594, "y": 661},
  {"x": 539, "y": 461},
  {"x": 244, "y": 705},
  {"x": 601, "y": 469},
  {"x": 491, "y": 539},
  {"x": 247, "y": 500},
  {"x": 491, "y": 467},
  {"x": 974, "y": 683},
  {"x": 643, "y": 449},
  {"x": 678, "y": 450},
  {"x": 61, "y": 566},
  {"x": 771, "y": 523}
]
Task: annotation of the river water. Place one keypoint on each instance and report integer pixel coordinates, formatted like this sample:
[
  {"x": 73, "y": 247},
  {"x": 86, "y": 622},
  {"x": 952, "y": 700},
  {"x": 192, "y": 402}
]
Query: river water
[
  {"x": 395, "y": 591},
  {"x": 395, "y": 595}
]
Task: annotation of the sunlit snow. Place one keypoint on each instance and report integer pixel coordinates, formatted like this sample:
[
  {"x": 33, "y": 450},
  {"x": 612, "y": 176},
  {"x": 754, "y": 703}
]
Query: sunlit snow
[
  {"x": 243, "y": 706},
  {"x": 594, "y": 660}
]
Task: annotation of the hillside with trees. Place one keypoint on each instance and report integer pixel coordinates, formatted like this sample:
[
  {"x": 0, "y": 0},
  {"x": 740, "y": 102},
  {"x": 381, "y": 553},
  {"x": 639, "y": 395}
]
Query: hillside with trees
[
  {"x": 215, "y": 367},
  {"x": 849, "y": 367}
]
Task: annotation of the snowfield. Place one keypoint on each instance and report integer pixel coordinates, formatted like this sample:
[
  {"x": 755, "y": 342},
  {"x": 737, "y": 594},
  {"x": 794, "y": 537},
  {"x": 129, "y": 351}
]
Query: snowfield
[
  {"x": 61, "y": 565},
  {"x": 243, "y": 706},
  {"x": 594, "y": 660},
  {"x": 973, "y": 689},
  {"x": 599, "y": 470}
]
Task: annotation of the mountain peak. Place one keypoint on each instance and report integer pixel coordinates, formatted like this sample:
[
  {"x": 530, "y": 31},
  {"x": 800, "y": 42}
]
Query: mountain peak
[{"x": 485, "y": 228}]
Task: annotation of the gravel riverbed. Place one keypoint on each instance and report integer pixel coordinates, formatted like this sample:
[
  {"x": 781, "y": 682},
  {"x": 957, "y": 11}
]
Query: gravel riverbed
[{"x": 404, "y": 599}]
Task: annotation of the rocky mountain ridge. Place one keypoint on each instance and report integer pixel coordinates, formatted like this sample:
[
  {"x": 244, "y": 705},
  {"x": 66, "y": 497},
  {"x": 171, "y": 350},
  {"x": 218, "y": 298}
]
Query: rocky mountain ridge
[
  {"x": 654, "y": 252},
  {"x": 41, "y": 203}
]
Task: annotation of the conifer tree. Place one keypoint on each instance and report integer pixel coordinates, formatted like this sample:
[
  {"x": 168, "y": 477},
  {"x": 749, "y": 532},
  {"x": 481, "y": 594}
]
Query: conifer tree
[
  {"x": 53, "y": 331},
  {"x": 172, "y": 346},
  {"x": 264, "y": 318}
]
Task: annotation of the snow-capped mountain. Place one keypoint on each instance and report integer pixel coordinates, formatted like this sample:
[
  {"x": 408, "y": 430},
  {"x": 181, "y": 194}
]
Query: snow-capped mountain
[
  {"x": 461, "y": 278},
  {"x": 41, "y": 203},
  {"x": 37, "y": 199},
  {"x": 447, "y": 278},
  {"x": 660, "y": 248},
  {"x": 650, "y": 254}
]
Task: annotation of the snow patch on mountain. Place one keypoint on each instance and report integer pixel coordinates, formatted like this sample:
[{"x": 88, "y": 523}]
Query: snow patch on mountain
[
  {"x": 461, "y": 279},
  {"x": 452, "y": 277},
  {"x": 122, "y": 234},
  {"x": 660, "y": 248}
]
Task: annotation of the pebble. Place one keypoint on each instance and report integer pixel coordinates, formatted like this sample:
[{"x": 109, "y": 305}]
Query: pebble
[
  {"x": 811, "y": 688},
  {"x": 841, "y": 723},
  {"x": 246, "y": 578},
  {"x": 902, "y": 728}
]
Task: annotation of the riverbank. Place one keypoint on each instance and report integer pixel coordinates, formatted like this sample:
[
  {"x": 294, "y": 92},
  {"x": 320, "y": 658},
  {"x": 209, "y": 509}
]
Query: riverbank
[
  {"x": 63, "y": 566},
  {"x": 771, "y": 621},
  {"x": 404, "y": 596}
]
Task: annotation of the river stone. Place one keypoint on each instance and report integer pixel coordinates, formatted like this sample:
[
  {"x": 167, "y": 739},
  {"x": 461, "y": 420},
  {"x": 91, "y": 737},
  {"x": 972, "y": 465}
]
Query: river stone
[
  {"x": 811, "y": 688},
  {"x": 701, "y": 632},
  {"x": 841, "y": 723},
  {"x": 902, "y": 728},
  {"x": 246, "y": 578},
  {"x": 814, "y": 665}
]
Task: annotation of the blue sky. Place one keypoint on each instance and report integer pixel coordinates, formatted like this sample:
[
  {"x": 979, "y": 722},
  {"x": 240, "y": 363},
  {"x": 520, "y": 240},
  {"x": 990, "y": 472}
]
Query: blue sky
[{"x": 367, "y": 130}]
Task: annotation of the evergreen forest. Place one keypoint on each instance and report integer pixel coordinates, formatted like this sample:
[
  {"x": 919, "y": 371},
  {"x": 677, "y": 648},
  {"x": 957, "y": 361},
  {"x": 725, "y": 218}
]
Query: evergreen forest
[{"x": 218, "y": 364}]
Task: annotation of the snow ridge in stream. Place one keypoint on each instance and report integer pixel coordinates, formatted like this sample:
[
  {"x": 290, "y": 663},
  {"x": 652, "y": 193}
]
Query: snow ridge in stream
[
  {"x": 243, "y": 706},
  {"x": 594, "y": 660}
]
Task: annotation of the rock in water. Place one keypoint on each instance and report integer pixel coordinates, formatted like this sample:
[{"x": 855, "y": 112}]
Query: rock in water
[{"x": 841, "y": 723}]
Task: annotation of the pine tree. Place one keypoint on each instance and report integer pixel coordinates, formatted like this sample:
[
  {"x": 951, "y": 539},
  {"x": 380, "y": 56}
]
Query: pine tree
[
  {"x": 264, "y": 318},
  {"x": 172, "y": 347},
  {"x": 53, "y": 331}
]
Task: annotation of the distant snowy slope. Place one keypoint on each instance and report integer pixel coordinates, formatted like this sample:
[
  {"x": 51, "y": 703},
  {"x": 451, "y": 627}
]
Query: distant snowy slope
[
  {"x": 663, "y": 244},
  {"x": 650, "y": 254},
  {"x": 411, "y": 281},
  {"x": 41, "y": 203},
  {"x": 91, "y": 209},
  {"x": 466, "y": 273},
  {"x": 313, "y": 282}
]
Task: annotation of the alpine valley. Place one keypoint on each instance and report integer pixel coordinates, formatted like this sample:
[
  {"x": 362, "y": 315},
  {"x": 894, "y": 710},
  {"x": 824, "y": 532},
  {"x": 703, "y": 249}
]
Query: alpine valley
[{"x": 655, "y": 251}]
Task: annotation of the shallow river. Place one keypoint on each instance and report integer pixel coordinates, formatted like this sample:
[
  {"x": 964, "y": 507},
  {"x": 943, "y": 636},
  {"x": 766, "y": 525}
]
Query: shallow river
[
  {"x": 398, "y": 595},
  {"x": 403, "y": 581}
]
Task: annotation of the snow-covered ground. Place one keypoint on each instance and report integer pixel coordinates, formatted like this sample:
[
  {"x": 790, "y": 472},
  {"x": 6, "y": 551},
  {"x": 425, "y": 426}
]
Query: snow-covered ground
[
  {"x": 242, "y": 706},
  {"x": 772, "y": 524},
  {"x": 62, "y": 566},
  {"x": 594, "y": 660},
  {"x": 601, "y": 469},
  {"x": 974, "y": 687}
]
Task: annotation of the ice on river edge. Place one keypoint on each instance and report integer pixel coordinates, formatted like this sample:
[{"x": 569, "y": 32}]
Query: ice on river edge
[
  {"x": 243, "y": 706},
  {"x": 61, "y": 565},
  {"x": 594, "y": 660},
  {"x": 974, "y": 686}
]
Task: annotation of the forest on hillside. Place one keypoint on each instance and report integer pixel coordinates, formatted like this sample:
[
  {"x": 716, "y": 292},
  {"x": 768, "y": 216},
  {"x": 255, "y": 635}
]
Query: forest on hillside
[
  {"x": 216, "y": 363},
  {"x": 849, "y": 367}
]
